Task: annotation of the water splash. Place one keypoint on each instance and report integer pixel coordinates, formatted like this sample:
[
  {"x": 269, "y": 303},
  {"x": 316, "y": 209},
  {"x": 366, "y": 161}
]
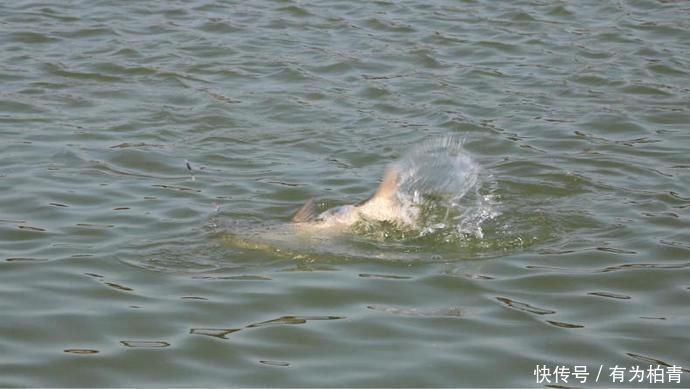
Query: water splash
[{"x": 442, "y": 184}]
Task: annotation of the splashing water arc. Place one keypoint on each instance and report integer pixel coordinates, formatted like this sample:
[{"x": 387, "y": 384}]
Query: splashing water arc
[
  {"x": 444, "y": 181},
  {"x": 439, "y": 165}
]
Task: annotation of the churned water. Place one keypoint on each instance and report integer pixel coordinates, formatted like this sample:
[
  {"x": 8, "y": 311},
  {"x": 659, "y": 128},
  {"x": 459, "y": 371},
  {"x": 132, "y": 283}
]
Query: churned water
[
  {"x": 153, "y": 155},
  {"x": 439, "y": 192}
]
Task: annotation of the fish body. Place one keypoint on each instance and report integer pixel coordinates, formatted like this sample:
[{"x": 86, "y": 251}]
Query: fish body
[{"x": 383, "y": 206}]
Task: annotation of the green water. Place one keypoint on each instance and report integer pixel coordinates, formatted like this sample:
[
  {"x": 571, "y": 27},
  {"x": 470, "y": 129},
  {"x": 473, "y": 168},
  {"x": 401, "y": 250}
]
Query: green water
[{"x": 114, "y": 272}]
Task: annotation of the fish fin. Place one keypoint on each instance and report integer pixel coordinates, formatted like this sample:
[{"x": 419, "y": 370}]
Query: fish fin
[
  {"x": 307, "y": 213},
  {"x": 388, "y": 185}
]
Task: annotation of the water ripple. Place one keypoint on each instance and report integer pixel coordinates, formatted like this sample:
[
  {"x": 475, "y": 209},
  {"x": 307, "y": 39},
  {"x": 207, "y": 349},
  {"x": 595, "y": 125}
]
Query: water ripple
[
  {"x": 524, "y": 306},
  {"x": 222, "y": 333},
  {"x": 576, "y": 113}
]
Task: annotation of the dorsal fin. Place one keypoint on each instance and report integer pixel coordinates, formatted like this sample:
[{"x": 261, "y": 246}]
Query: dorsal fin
[
  {"x": 388, "y": 185},
  {"x": 307, "y": 213}
]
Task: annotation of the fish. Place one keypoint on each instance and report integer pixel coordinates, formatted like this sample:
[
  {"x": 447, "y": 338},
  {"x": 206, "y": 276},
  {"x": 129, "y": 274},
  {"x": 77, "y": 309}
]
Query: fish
[
  {"x": 383, "y": 206},
  {"x": 429, "y": 193}
]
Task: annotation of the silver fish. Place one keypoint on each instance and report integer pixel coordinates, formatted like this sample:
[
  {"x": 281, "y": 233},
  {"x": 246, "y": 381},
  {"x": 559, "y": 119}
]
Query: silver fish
[{"x": 383, "y": 206}]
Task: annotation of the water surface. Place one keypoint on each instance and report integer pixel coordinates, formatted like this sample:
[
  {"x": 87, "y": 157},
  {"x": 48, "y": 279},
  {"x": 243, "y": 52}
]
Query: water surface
[{"x": 113, "y": 271}]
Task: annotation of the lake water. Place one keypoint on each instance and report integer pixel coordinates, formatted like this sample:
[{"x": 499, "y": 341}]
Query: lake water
[{"x": 121, "y": 267}]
